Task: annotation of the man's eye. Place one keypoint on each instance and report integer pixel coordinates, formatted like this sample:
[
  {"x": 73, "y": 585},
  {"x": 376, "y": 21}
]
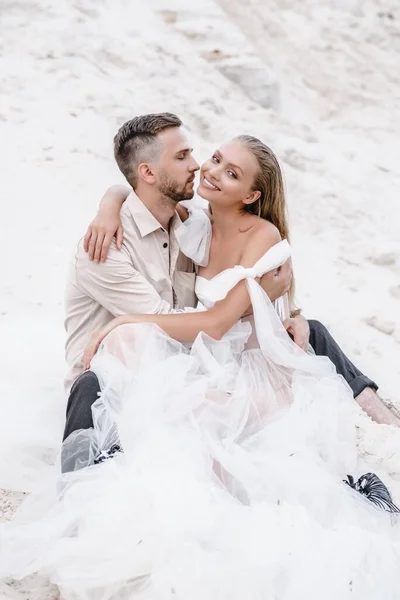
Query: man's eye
[{"x": 181, "y": 158}]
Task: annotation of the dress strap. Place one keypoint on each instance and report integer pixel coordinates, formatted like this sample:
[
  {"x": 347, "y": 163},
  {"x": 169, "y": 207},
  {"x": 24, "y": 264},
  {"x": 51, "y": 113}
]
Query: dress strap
[
  {"x": 272, "y": 337},
  {"x": 218, "y": 287}
]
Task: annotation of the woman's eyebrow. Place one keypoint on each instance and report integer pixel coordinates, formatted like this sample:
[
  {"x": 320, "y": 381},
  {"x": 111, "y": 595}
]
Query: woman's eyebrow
[{"x": 230, "y": 164}]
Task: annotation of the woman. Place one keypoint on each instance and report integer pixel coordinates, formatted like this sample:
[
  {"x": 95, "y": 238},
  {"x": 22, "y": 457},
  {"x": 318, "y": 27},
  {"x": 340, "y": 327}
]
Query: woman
[
  {"x": 243, "y": 231},
  {"x": 235, "y": 441}
]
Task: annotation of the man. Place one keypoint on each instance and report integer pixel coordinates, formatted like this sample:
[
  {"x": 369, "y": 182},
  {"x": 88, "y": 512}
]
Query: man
[{"x": 148, "y": 274}]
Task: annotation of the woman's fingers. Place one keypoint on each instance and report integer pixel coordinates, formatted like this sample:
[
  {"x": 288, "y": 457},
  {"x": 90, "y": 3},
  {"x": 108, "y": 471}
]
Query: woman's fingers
[
  {"x": 106, "y": 246},
  {"x": 92, "y": 245},
  {"x": 99, "y": 236},
  {"x": 87, "y": 238},
  {"x": 120, "y": 236},
  {"x": 99, "y": 244}
]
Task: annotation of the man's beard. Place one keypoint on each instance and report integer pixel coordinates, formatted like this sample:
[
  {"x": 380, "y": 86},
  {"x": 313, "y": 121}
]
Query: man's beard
[{"x": 172, "y": 189}]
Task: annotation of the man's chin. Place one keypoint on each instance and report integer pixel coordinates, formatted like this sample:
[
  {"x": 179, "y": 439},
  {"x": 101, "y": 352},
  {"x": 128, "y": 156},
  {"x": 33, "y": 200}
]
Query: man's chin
[
  {"x": 181, "y": 197},
  {"x": 188, "y": 195}
]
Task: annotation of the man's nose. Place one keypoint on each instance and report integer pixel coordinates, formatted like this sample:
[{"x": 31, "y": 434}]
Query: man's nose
[{"x": 194, "y": 166}]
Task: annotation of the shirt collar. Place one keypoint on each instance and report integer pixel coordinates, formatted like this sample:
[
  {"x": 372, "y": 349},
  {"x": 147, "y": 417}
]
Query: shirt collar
[{"x": 145, "y": 221}]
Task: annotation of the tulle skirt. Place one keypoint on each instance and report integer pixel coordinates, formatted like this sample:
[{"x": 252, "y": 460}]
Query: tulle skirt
[{"x": 229, "y": 485}]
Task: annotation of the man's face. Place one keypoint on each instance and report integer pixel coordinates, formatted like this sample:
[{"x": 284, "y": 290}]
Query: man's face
[{"x": 176, "y": 167}]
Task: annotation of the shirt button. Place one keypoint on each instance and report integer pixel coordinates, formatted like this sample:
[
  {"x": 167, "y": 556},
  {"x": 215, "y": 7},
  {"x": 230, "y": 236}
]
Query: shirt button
[{"x": 165, "y": 245}]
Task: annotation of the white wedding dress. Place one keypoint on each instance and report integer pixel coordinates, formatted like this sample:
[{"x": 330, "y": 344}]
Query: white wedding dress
[{"x": 229, "y": 486}]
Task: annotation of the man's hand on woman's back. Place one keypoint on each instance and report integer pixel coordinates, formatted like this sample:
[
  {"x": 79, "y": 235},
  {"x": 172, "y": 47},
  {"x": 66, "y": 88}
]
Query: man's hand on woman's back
[{"x": 277, "y": 283}]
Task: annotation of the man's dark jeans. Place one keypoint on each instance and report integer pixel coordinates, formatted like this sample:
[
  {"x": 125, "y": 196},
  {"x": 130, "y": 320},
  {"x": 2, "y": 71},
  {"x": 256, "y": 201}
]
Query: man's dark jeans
[
  {"x": 324, "y": 345},
  {"x": 83, "y": 394},
  {"x": 86, "y": 388}
]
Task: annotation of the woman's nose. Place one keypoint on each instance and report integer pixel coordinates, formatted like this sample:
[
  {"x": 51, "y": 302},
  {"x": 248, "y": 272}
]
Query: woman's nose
[{"x": 214, "y": 171}]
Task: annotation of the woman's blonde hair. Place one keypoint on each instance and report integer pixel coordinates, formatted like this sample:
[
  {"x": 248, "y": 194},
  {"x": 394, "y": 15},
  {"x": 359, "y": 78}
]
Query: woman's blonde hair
[{"x": 269, "y": 182}]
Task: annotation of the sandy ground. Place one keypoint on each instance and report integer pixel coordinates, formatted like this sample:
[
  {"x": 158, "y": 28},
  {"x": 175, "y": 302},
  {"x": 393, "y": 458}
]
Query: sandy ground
[{"x": 318, "y": 80}]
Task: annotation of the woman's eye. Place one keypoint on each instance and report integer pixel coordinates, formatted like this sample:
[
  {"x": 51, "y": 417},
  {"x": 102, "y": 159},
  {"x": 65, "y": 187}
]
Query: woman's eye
[
  {"x": 215, "y": 159},
  {"x": 232, "y": 174}
]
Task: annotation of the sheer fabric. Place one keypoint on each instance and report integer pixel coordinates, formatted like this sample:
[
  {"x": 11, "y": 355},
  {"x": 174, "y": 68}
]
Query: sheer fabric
[{"x": 230, "y": 481}]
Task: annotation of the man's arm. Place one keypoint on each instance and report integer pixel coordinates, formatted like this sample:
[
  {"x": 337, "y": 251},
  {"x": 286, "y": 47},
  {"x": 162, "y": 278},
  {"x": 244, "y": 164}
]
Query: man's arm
[
  {"x": 214, "y": 322},
  {"x": 118, "y": 286}
]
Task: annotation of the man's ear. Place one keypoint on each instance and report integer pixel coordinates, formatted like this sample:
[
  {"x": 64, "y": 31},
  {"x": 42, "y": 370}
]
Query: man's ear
[
  {"x": 145, "y": 173},
  {"x": 252, "y": 197}
]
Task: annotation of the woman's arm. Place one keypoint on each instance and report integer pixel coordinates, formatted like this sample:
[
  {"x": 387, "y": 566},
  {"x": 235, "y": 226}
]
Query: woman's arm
[
  {"x": 183, "y": 327},
  {"x": 106, "y": 224},
  {"x": 214, "y": 322}
]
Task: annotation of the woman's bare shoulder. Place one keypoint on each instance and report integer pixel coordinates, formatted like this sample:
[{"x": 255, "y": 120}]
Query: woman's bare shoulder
[
  {"x": 264, "y": 231},
  {"x": 263, "y": 236}
]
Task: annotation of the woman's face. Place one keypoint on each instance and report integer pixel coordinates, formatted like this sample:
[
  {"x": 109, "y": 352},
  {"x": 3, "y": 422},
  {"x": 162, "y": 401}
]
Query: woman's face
[{"x": 226, "y": 179}]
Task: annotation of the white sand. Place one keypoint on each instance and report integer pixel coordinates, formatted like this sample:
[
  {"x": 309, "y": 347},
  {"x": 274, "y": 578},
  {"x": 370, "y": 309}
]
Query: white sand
[{"x": 317, "y": 80}]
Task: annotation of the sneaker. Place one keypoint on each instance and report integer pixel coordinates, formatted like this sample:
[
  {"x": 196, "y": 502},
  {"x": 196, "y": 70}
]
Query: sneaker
[
  {"x": 370, "y": 486},
  {"x": 106, "y": 454}
]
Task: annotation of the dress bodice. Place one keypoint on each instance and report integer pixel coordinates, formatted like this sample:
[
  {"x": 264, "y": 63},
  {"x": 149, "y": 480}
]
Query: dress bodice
[
  {"x": 209, "y": 291},
  {"x": 281, "y": 305},
  {"x": 194, "y": 237},
  {"x": 201, "y": 293}
]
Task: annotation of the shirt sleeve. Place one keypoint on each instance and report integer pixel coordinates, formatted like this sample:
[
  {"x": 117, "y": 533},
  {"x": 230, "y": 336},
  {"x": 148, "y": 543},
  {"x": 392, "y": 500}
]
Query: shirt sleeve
[{"x": 118, "y": 286}]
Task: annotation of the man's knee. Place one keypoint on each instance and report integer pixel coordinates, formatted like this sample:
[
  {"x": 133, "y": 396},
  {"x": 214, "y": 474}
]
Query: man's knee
[
  {"x": 83, "y": 395},
  {"x": 87, "y": 380},
  {"x": 84, "y": 390}
]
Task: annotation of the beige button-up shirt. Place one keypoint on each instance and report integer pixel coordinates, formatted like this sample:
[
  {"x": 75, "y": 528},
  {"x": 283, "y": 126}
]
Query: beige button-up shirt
[{"x": 148, "y": 275}]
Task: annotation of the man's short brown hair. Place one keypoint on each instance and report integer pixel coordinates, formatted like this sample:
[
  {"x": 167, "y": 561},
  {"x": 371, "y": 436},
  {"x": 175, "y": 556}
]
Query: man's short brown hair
[{"x": 136, "y": 142}]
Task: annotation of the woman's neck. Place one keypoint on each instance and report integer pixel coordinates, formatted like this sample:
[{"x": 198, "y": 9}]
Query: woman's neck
[{"x": 226, "y": 222}]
